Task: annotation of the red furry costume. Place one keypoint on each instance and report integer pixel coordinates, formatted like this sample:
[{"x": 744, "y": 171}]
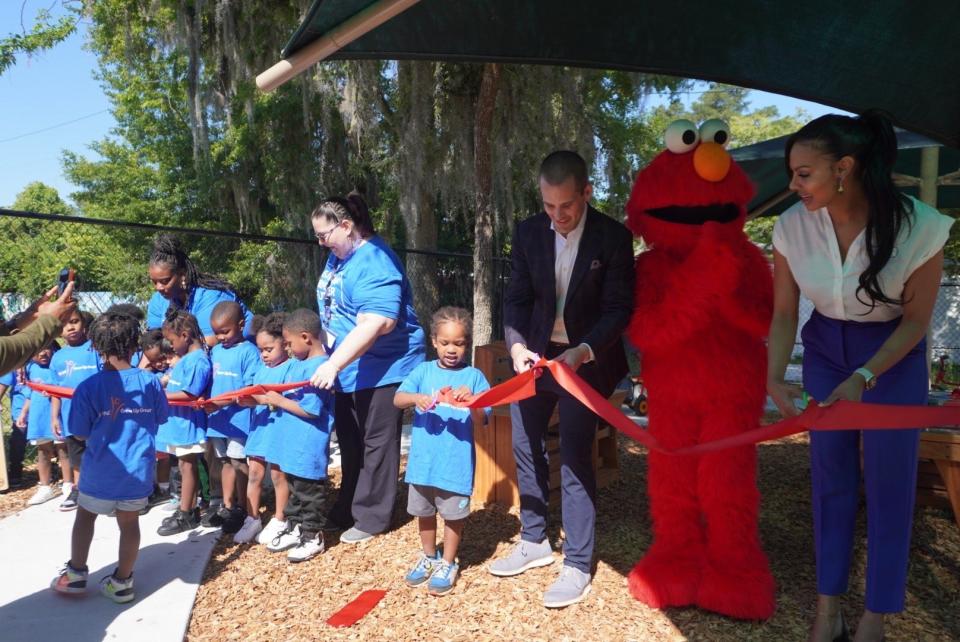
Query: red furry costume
[{"x": 703, "y": 307}]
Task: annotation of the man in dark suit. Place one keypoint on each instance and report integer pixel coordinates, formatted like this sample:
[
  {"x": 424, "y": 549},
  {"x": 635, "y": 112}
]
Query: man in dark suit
[{"x": 570, "y": 298}]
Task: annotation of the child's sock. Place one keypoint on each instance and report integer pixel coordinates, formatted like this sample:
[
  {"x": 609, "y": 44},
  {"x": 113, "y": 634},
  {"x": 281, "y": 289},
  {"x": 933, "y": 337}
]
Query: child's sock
[{"x": 164, "y": 486}]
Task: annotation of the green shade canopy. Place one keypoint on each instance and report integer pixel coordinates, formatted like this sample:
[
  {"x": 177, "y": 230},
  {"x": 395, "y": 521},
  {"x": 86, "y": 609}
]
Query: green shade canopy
[
  {"x": 764, "y": 164},
  {"x": 894, "y": 55}
]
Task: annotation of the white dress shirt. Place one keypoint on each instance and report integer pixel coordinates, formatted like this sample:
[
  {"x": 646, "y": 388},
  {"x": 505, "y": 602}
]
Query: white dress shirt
[
  {"x": 565, "y": 249},
  {"x": 809, "y": 243}
]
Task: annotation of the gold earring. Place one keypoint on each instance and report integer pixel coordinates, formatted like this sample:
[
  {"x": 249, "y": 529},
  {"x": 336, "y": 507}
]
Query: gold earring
[{"x": 840, "y": 185}]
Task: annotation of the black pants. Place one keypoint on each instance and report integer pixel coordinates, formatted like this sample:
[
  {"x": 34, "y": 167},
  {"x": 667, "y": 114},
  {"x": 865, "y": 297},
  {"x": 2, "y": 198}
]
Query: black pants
[
  {"x": 15, "y": 453},
  {"x": 368, "y": 430},
  {"x": 75, "y": 449},
  {"x": 306, "y": 504}
]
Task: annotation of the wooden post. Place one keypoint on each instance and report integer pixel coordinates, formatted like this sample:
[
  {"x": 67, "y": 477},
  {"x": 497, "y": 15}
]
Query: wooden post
[{"x": 332, "y": 41}]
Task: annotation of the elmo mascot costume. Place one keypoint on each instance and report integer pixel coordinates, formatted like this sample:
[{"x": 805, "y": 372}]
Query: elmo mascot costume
[{"x": 703, "y": 307}]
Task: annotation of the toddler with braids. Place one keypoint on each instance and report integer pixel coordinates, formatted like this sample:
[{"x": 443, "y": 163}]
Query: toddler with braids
[{"x": 117, "y": 412}]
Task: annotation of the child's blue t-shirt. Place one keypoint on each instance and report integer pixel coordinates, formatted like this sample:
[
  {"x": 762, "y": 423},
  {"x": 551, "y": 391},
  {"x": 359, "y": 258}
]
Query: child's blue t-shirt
[
  {"x": 38, "y": 417},
  {"x": 263, "y": 430},
  {"x": 200, "y": 304},
  {"x": 18, "y": 392},
  {"x": 70, "y": 366},
  {"x": 441, "y": 441},
  {"x": 233, "y": 368},
  {"x": 186, "y": 426},
  {"x": 371, "y": 280},
  {"x": 302, "y": 448},
  {"x": 118, "y": 412}
]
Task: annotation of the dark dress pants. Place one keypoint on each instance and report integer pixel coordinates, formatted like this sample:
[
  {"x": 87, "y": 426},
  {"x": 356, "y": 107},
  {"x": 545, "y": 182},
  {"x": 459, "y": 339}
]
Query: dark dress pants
[{"x": 578, "y": 426}]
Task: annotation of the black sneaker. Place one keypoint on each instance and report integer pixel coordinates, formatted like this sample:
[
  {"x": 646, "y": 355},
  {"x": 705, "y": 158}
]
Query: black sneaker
[
  {"x": 179, "y": 522},
  {"x": 234, "y": 521},
  {"x": 156, "y": 498},
  {"x": 70, "y": 503},
  {"x": 215, "y": 516}
]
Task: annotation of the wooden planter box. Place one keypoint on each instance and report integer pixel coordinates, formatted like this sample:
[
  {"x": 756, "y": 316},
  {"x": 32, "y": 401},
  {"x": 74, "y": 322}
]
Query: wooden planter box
[
  {"x": 938, "y": 475},
  {"x": 495, "y": 479}
]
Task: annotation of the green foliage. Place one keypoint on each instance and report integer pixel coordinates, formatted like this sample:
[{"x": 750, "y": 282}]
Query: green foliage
[{"x": 45, "y": 34}]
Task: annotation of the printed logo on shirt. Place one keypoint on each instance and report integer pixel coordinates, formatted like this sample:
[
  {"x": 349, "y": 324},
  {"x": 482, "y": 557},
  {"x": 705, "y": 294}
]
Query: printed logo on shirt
[
  {"x": 218, "y": 371},
  {"x": 71, "y": 367},
  {"x": 117, "y": 407}
]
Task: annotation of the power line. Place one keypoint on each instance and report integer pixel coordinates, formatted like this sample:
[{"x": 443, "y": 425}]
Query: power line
[{"x": 46, "y": 129}]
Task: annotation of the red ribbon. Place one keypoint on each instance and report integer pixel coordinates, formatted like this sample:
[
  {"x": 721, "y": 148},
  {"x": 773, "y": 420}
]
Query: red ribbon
[
  {"x": 841, "y": 415},
  {"x": 234, "y": 395},
  {"x": 352, "y": 612}
]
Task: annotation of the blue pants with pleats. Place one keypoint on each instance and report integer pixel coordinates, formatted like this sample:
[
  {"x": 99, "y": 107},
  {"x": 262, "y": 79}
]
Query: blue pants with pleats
[{"x": 833, "y": 349}]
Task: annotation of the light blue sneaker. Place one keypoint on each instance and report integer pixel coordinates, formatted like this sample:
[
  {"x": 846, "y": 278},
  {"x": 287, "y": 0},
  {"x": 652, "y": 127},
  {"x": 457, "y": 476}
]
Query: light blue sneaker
[
  {"x": 423, "y": 570},
  {"x": 443, "y": 578}
]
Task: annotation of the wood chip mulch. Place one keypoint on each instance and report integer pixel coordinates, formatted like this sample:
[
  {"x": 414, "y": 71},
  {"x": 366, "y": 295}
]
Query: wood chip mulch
[
  {"x": 14, "y": 500},
  {"x": 250, "y": 594}
]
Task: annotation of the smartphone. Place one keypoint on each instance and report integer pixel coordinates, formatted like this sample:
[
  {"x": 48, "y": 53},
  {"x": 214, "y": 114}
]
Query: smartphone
[{"x": 66, "y": 276}]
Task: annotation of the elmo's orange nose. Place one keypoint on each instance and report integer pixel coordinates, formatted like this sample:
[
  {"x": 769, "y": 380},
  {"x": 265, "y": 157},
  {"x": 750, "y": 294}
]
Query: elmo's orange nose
[{"x": 711, "y": 161}]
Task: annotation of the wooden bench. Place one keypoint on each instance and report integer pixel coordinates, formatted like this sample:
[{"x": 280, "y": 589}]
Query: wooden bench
[{"x": 495, "y": 479}]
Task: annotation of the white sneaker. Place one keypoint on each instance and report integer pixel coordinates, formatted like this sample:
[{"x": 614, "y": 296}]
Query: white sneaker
[
  {"x": 66, "y": 488},
  {"x": 271, "y": 530},
  {"x": 286, "y": 538},
  {"x": 43, "y": 494},
  {"x": 306, "y": 549},
  {"x": 251, "y": 527}
]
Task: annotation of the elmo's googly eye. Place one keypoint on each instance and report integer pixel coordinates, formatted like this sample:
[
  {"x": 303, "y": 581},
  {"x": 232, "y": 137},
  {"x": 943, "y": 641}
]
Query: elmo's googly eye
[
  {"x": 715, "y": 131},
  {"x": 681, "y": 136}
]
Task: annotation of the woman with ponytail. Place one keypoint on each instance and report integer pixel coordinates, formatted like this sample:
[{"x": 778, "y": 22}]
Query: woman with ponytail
[
  {"x": 374, "y": 341},
  {"x": 870, "y": 259},
  {"x": 180, "y": 284}
]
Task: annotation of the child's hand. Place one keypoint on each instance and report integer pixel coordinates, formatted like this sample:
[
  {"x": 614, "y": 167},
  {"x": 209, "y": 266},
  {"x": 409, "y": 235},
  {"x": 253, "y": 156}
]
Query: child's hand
[
  {"x": 425, "y": 403},
  {"x": 210, "y": 407},
  {"x": 21, "y": 422},
  {"x": 247, "y": 402},
  {"x": 462, "y": 393},
  {"x": 272, "y": 398},
  {"x": 57, "y": 428}
]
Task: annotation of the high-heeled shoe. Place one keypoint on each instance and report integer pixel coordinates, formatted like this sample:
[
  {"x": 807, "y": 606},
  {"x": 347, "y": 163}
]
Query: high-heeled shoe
[{"x": 844, "y": 635}]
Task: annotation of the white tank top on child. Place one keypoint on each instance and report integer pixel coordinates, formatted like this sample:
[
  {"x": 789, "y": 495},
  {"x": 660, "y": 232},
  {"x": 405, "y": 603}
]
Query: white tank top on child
[{"x": 808, "y": 242}]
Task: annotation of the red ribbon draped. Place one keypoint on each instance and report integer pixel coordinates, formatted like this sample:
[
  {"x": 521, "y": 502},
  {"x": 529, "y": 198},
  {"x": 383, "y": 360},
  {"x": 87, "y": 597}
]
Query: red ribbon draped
[{"x": 842, "y": 415}]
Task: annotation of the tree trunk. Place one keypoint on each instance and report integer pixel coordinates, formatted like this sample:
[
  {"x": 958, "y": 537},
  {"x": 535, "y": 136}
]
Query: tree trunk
[
  {"x": 416, "y": 172},
  {"x": 483, "y": 267}
]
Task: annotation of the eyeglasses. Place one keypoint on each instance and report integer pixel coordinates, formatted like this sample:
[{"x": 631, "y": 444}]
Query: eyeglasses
[{"x": 323, "y": 236}]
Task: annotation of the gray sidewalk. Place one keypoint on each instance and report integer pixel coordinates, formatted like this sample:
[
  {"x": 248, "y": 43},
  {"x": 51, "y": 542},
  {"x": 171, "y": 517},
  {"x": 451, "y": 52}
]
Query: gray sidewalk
[{"x": 35, "y": 543}]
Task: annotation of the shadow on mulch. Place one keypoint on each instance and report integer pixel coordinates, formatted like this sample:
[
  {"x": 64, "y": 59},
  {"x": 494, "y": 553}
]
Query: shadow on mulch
[{"x": 247, "y": 592}]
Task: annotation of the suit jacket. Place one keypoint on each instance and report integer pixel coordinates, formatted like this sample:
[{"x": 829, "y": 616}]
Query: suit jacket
[{"x": 599, "y": 298}]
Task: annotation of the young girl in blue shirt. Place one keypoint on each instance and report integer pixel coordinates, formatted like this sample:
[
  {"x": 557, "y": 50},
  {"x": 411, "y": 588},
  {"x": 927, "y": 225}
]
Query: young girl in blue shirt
[
  {"x": 265, "y": 434},
  {"x": 305, "y": 418},
  {"x": 155, "y": 356},
  {"x": 184, "y": 432},
  {"x": 117, "y": 412},
  {"x": 39, "y": 429},
  {"x": 73, "y": 363},
  {"x": 441, "y": 461}
]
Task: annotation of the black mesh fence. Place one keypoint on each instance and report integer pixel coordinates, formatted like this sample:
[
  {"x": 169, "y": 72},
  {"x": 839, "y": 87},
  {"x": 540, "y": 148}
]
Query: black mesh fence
[{"x": 269, "y": 272}]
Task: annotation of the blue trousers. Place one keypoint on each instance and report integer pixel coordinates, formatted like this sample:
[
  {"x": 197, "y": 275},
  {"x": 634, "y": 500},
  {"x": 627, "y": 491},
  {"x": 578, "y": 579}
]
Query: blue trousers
[
  {"x": 578, "y": 486},
  {"x": 832, "y": 351}
]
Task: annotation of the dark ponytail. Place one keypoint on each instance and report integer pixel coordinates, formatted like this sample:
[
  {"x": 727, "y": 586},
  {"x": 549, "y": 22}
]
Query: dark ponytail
[
  {"x": 168, "y": 251},
  {"x": 352, "y": 208},
  {"x": 871, "y": 141}
]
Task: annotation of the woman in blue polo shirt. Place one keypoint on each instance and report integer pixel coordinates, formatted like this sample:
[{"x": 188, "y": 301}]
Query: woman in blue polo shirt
[
  {"x": 374, "y": 341},
  {"x": 180, "y": 283}
]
